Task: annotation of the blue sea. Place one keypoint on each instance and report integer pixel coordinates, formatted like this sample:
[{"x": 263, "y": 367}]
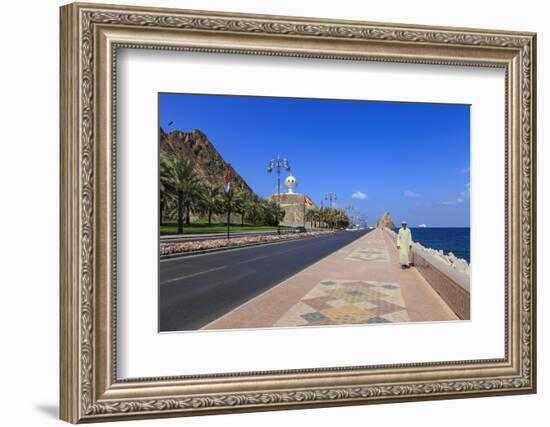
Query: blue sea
[{"x": 455, "y": 240}]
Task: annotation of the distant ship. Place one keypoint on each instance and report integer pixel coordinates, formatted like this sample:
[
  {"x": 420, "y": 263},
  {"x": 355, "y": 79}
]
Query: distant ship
[{"x": 422, "y": 226}]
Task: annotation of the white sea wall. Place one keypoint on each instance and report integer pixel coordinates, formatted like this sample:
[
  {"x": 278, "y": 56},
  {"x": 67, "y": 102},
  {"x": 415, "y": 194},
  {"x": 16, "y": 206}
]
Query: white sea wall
[
  {"x": 449, "y": 259},
  {"x": 448, "y": 275}
]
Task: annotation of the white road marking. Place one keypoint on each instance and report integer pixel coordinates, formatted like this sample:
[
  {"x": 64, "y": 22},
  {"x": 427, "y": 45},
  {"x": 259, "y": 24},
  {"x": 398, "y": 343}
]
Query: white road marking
[
  {"x": 257, "y": 297},
  {"x": 254, "y": 259},
  {"x": 273, "y": 254},
  {"x": 193, "y": 275}
]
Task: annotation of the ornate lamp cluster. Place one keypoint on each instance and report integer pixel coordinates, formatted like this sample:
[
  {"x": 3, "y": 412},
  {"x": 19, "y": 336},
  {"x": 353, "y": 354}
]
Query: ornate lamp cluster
[{"x": 276, "y": 165}]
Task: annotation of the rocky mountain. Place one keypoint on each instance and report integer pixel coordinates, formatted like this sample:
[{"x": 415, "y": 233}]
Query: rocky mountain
[
  {"x": 209, "y": 164},
  {"x": 385, "y": 221}
]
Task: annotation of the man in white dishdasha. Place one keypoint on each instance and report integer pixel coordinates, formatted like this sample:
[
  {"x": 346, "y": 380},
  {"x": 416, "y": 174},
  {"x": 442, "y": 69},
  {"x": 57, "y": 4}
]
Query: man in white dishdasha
[{"x": 404, "y": 245}]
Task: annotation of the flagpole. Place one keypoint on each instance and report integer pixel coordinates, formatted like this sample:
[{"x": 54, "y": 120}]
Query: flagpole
[
  {"x": 304, "y": 211},
  {"x": 228, "y": 215},
  {"x": 227, "y": 190}
]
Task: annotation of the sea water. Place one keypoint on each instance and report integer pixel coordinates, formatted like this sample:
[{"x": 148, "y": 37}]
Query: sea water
[{"x": 447, "y": 239}]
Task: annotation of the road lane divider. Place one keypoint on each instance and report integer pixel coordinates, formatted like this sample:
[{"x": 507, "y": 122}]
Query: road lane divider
[{"x": 188, "y": 276}]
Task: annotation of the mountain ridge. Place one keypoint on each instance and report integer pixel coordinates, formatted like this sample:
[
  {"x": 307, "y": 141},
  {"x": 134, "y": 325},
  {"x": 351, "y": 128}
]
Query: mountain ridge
[{"x": 209, "y": 163}]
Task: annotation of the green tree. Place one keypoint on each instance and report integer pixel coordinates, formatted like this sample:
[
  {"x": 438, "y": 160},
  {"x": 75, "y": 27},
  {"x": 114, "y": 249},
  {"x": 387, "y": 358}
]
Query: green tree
[
  {"x": 240, "y": 201},
  {"x": 253, "y": 209},
  {"x": 268, "y": 212},
  {"x": 335, "y": 218},
  {"x": 179, "y": 179},
  {"x": 316, "y": 217},
  {"x": 212, "y": 201},
  {"x": 311, "y": 216},
  {"x": 165, "y": 200},
  {"x": 324, "y": 217}
]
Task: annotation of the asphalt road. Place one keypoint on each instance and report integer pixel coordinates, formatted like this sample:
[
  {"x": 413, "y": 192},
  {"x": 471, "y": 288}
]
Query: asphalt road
[{"x": 196, "y": 290}]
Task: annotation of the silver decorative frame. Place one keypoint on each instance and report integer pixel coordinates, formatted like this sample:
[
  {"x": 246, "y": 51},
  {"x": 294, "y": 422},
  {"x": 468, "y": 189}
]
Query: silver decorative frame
[{"x": 90, "y": 36}]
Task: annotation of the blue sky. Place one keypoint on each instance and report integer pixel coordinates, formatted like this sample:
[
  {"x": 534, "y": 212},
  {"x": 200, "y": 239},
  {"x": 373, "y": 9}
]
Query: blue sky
[{"x": 406, "y": 158}]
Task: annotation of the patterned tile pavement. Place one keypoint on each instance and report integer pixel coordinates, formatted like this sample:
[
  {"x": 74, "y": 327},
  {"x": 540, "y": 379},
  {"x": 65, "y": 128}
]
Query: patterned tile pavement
[
  {"x": 359, "y": 284},
  {"x": 337, "y": 302},
  {"x": 370, "y": 253}
]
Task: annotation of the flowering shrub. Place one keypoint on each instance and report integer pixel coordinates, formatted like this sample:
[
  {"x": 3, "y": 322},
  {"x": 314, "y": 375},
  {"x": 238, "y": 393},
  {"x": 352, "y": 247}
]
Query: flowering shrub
[{"x": 200, "y": 245}]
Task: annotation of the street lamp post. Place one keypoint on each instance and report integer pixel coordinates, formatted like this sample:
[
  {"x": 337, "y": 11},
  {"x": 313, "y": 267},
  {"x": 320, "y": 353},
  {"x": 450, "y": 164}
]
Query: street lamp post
[
  {"x": 330, "y": 197},
  {"x": 277, "y": 164},
  {"x": 349, "y": 209}
]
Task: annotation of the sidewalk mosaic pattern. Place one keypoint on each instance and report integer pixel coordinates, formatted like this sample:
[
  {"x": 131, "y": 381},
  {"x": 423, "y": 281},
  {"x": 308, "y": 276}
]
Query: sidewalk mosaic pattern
[
  {"x": 370, "y": 253},
  {"x": 362, "y": 283},
  {"x": 337, "y": 302}
]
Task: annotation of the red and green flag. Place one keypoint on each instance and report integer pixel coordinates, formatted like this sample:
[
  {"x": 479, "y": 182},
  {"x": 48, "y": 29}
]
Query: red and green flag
[{"x": 227, "y": 186}]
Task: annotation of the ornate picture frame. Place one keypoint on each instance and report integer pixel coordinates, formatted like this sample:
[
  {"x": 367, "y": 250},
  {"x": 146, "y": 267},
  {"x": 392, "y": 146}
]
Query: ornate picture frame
[{"x": 90, "y": 37}]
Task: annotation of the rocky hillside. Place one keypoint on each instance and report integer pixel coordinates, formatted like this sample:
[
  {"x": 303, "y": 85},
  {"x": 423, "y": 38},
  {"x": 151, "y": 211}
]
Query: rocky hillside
[
  {"x": 385, "y": 221},
  {"x": 209, "y": 164}
]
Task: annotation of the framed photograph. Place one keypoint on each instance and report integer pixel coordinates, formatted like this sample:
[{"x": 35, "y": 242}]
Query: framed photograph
[{"x": 266, "y": 212}]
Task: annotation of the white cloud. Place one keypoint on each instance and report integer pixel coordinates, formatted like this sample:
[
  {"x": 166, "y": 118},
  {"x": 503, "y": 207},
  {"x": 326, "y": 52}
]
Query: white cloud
[
  {"x": 359, "y": 195},
  {"x": 461, "y": 197},
  {"x": 456, "y": 201},
  {"x": 411, "y": 194}
]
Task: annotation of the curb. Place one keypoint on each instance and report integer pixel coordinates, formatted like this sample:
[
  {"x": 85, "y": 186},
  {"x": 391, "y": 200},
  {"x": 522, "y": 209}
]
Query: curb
[{"x": 222, "y": 235}]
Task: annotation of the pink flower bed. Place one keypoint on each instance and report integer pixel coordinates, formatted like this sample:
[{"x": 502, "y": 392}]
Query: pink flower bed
[{"x": 200, "y": 245}]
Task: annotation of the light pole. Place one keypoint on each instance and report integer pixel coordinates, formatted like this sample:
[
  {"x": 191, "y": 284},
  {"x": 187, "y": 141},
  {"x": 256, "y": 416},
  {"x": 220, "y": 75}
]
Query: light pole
[
  {"x": 349, "y": 209},
  {"x": 278, "y": 163},
  {"x": 330, "y": 197}
]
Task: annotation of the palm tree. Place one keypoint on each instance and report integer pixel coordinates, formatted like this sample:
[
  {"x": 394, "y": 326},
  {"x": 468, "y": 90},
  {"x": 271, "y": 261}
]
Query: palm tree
[
  {"x": 212, "y": 201},
  {"x": 268, "y": 212},
  {"x": 254, "y": 208},
  {"x": 335, "y": 218},
  {"x": 163, "y": 199},
  {"x": 178, "y": 177},
  {"x": 239, "y": 203},
  {"x": 251, "y": 207},
  {"x": 316, "y": 214},
  {"x": 310, "y": 216},
  {"x": 325, "y": 217},
  {"x": 329, "y": 216}
]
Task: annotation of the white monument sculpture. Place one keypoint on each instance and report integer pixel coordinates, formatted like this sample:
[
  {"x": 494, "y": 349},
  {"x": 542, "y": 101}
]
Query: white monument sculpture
[{"x": 291, "y": 183}]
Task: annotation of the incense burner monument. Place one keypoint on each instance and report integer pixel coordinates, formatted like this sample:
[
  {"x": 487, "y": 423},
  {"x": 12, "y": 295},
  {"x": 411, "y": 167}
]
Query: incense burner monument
[{"x": 294, "y": 204}]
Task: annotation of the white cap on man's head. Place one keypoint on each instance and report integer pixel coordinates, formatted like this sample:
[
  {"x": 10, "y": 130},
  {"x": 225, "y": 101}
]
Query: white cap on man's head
[{"x": 403, "y": 222}]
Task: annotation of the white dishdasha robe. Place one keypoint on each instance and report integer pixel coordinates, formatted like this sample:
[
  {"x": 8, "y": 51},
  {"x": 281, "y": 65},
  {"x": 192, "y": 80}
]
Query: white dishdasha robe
[{"x": 404, "y": 241}]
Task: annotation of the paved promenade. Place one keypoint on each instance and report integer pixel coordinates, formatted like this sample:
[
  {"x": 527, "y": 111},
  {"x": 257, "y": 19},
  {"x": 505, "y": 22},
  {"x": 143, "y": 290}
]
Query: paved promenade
[
  {"x": 199, "y": 288},
  {"x": 360, "y": 283}
]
